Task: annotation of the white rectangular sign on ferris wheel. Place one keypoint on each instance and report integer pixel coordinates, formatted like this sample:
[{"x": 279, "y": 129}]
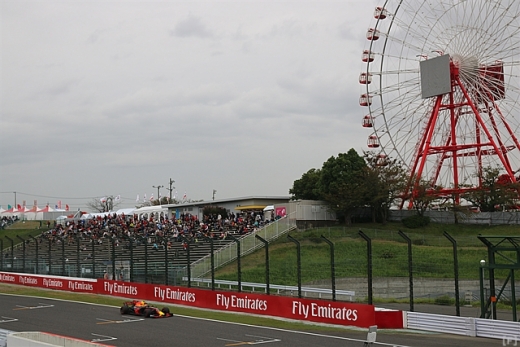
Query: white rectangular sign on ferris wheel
[{"x": 435, "y": 76}]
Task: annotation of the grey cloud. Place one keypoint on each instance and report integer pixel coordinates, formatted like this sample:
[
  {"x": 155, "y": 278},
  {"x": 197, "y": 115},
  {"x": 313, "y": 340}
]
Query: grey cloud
[{"x": 191, "y": 27}]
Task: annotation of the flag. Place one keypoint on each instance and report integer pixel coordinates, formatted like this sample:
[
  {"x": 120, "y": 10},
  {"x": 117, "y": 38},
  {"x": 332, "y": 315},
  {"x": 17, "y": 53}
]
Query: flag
[
  {"x": 175, "y": 195},
  {"x": 19, "y": 207},
  {"x": 118, "y": 197},
  {"x": 144, "y": 198},
  {"x": 66, "y": 207},
  {"x": 184, "y": 196},
  {"x": 137, "y": 199},
  {"x": 103, "y": 199},
  {"x": 9, "y": 207},
  {"x": 151, "y": 197},
  {"x": 59, "y": 204}
]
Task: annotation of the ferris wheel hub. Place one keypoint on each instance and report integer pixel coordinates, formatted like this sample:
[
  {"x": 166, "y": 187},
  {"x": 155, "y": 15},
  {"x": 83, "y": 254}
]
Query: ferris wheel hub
[{"x": 467, "y": 65}]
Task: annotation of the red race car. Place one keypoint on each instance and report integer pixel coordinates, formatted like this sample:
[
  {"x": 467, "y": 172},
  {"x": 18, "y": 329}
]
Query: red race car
[{"x": 141, "y": 308}]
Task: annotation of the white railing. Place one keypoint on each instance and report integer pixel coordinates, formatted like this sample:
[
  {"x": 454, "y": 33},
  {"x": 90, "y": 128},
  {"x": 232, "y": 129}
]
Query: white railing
[
  {"x": 248, "y": 244},
  {"x": 467, "y": 326},
  {"x": 279, "y": 289}
]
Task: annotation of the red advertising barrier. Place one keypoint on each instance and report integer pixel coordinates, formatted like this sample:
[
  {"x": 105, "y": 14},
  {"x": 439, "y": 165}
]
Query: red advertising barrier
[{"x": 321, "y": 311}]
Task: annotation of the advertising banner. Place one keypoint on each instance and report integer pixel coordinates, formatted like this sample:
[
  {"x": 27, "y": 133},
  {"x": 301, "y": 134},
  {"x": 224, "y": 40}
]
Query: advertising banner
[{"x": 305, "y": 309}]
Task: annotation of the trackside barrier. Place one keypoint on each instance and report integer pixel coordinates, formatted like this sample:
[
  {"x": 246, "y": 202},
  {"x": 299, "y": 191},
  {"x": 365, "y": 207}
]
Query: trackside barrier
[
  {"x": 255, "y": 287},
  {"x": 3, "y": 337},
  {"x": 306, "y": 309},
  {"x": 41, "y": 339},
  {"x": 477, "y": 327}
]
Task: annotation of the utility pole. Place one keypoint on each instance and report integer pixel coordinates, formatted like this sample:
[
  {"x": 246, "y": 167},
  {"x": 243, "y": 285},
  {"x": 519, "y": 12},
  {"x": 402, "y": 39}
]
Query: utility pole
[
  {"x": 171, "y": 189},
  {"x": 14, "y": 199},
  {"x": 214, "y": 191},
  {"x": 158, "y": 196}
]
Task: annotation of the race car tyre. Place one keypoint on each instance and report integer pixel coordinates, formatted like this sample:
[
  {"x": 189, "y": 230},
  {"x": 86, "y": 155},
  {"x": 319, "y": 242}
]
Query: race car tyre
[
  {"x": 125, "y": 309},
  {"x": 147, "y": 312},
  {"x": 165, "y": 310}
]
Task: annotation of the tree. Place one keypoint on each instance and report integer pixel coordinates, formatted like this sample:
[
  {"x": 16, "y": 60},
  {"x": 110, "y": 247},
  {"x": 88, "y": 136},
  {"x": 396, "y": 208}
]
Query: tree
[
  {"x": 341, "y": 182},
  {"x": 498, "y": 191},
  {"x": 385, "y": 181},
  {"x": 423, "y": 194},
  {"x": 104, "y": 204},
  {"x": 306, "y": 188}
]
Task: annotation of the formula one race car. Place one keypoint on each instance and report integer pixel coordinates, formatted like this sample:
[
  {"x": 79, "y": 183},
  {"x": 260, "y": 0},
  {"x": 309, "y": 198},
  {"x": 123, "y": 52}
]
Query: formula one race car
[{"x": 141, "y": 308}]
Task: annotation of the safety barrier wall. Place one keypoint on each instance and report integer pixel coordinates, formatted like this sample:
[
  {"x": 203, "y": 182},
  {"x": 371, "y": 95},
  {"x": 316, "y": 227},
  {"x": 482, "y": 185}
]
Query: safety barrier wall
[
  {"x": 495, "y": 329},
  {"x": 42, "y": 339},
  {"x": 320, "y": 311}
]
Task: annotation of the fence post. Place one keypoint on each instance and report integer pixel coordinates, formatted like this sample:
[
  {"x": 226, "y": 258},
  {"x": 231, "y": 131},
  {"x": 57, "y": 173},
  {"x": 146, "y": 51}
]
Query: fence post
[
  {"x": 332, "y": 267},
  {"x": 145, "y": 239},
  {"x": 62, "y": 256},
  {"x": 188, "y": 259},
  {"x": 50, "y": 256},
  {"x": 410, "y": 266},
  {"x": 456, "y": 271},
  {"x": 23, "y": 252},
  {"x": 12, "y": 252},
  {"x": 93, "y": 256},
  {"x": 266, "y": 244},
  {"x": 212, "y": 262},
  {"x": 78, "y": 260},
  {"x": 131, "y": 245},
  {"x": 369, "y": 265},
  {"x": 298, "y": 264},
  {"x": 166, "y": 276},
  {"x": 113, "y": 256},
  {"x": 37, "y": 261},
  {"x": 239, "y": 267}
]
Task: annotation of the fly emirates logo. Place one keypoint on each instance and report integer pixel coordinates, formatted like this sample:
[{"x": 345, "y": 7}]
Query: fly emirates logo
[
  {"x": 234, "y": 301},
  {"x": 116, "y": 288},
  {"x": 170, "y": 294},
  {"x": 327, "y": 311}
]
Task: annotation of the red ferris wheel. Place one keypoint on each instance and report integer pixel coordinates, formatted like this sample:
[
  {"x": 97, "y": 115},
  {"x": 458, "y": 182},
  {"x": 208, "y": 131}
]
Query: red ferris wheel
[{"x": 441, "y": 90}]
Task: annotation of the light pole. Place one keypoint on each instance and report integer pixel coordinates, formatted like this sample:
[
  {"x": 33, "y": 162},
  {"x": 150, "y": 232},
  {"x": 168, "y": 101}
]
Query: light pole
[
  {"x": 14, "y": 199},
  {"x": 214, "y": 192},
  {"x": 158, "y": 197},
  {"x": 171, "y": 189}
]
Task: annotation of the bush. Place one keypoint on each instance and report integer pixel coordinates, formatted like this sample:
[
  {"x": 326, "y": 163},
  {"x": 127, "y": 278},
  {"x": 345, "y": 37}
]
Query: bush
[
  {"x": 414, "y": 222},
  {"x": 444, "y": 300}
]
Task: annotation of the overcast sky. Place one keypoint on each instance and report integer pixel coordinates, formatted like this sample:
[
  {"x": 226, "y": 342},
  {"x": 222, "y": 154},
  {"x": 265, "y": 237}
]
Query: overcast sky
[{"x": 103, "y": 98}]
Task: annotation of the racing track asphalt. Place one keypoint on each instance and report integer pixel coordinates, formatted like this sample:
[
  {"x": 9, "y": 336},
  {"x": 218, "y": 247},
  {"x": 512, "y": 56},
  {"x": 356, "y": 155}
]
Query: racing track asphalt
[{"x": 105, "y": 325}]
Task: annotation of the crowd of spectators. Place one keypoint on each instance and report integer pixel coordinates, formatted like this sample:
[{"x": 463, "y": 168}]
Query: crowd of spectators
[
  {"x": 5, "y": 221},
  {"x": 156, "y": 230}
]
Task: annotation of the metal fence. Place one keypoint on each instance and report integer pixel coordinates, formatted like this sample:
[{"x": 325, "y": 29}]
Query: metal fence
[
  {"x": 247, "y": 244},
  {"x": 375, "y": 264}
]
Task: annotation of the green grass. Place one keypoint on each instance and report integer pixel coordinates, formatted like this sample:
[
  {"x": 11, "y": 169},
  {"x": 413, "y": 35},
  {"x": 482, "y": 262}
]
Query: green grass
[
  {"x": 432, "y": 253},
  {"x": 24, "y": 229}
]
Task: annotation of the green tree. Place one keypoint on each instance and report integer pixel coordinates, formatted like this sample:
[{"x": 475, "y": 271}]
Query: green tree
[
  {"x": 497, "y": 191},
  {"x": 423, "y": 194},
  {"x": 306, "y": 188},
  {"x": 341, "y": 183},
  {"x": 385, "y": 181}
]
